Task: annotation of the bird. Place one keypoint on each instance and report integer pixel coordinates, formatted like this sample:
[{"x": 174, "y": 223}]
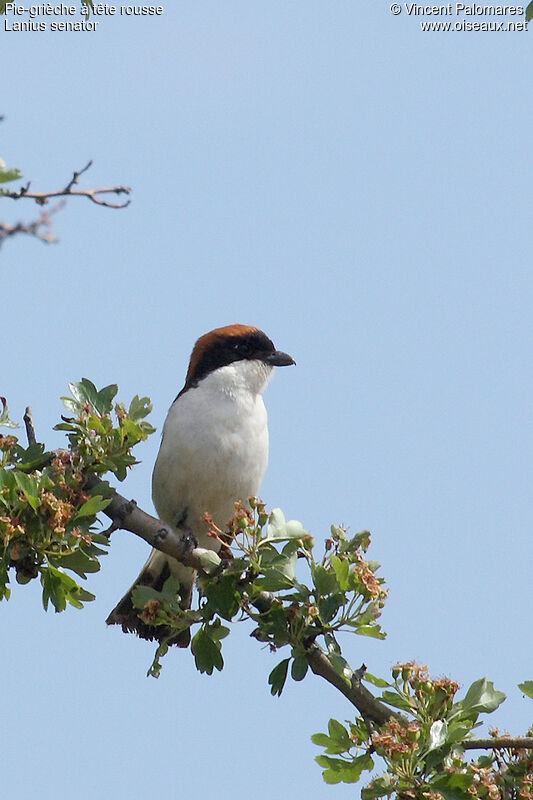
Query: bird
[{"x": 213, "y": 452}]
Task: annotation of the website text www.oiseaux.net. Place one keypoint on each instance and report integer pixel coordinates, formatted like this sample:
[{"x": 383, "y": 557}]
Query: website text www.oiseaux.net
[{"x": 488, "y": 17}]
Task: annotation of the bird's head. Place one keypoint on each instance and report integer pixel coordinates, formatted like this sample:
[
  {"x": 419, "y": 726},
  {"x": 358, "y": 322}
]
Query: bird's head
[{"x": 228, "y": 345}]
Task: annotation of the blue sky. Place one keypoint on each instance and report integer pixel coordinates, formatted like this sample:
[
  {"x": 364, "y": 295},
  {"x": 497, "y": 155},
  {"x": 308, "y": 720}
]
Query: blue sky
[{"x": 361, "y": 190}]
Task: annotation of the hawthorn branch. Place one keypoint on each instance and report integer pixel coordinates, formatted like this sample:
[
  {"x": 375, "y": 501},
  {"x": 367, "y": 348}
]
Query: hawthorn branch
[
  {"x": 499, "y": 743},
  {"x": 94, "y": 195},
  {"x": 126, "y": 515},
  {"x": 371, "y": 709}
]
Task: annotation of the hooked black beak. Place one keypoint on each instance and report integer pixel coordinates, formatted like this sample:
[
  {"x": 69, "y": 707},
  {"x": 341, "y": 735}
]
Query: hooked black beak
[{"x": 279, "y": 359}]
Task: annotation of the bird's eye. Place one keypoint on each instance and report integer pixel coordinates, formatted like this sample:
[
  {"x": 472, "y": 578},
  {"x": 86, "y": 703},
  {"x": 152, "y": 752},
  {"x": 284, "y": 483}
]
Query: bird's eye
[{"x": 244, "y": 348}]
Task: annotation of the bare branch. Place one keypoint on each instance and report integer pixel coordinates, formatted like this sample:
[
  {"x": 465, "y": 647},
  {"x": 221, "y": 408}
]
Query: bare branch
[
  {"x": 499, "y": 743},
  {"x": 40, "y": 228},
  {"x": 28, "y": 422},
  {"x": 68, "y": 191}
]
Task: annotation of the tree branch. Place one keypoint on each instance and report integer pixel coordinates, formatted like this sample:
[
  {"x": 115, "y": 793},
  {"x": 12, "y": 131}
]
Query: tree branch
[
  {"x": 498, "y": 743},
  {"x": 40, "y": 228},
  {"x": 371, "y": 709},
  {"x": 127, "y": 515},
  {"x": 68, "y": 191}
]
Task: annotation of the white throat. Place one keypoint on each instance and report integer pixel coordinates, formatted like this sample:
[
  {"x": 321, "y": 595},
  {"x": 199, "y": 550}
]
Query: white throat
[{"x": 249, "y": 377}]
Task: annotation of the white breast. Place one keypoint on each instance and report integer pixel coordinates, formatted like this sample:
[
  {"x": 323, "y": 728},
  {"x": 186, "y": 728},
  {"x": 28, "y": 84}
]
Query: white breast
[{"x": 214, "y": 449}]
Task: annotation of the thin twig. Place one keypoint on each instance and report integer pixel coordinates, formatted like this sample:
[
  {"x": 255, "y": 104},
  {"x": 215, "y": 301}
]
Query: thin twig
[
  {"x": 28, "y": 422},
  {"x": 40, "y": 228},
  {"x": 92, "y": 194}
]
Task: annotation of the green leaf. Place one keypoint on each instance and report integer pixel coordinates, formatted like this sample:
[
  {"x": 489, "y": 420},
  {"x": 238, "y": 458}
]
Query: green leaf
[
  {"x": 359, "y": 541},
  {"x": 29, "y": 487},
  {"x": 7, "y": 478},
  {"x": 482, "y": 696},
  {"x": 170, "y": 588},
  {"x": 342, "y": 569},
  {"x": 438, "y": 734},
  {"x": 381, "y": 683},
  {"x": 339, "y": 734},
  {"x": 278, "y": 570},
  {"x": 223, "y": 596},
  {"x": 162, "y": 650},
  {"x": 453, "y": 786},
  {"x": 278, "y": 676},
  {"x": 105, "y": 398},
  {"x": 338, "y": 533},
  {"x": 279, "y": 530},
  {"x": 33, "y": 457},
  {"x": 321, "y": 739},
  {"x": 71, "y": 405},
  {"x": 52, "y": 590},
  {"x": 217, "y": 631},
  {"x": 79, "y": 562},
  {"x": 299, "y": 668},
  {"x": 527, "y": 688},
  {"x": 7, "y": 175},
  {"x": 371, "y": 630},
  {"x": 380, "y": 787},
  {"x": 141, "y": 595},
  {"x": 337, "y": 770},
  {"x": 458, "y": 730},
  {"x": 92, "y": 506},
  {"x": 5, "y": 421},
  {"x": 393, "y": 699},
  {"x": 328, "y": 606},
  {"x": 139, "y": 408},
  {"x": 332, "y": 746},
  {"x": 529, "y": 11},
  {"x": 325, "y": 581},
  {"x": 65, "y": 426},
  {"x": 210, "y": 561},
  {"x": 207, "y": 655},
  {"x": 275, "y": 531},
  {"x": 84, "y": 392},
  {"x": 61, "y": 589}
]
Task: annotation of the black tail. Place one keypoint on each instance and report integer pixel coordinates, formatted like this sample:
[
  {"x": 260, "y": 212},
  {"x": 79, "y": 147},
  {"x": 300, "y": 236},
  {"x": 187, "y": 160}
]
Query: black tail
[{"x": 127, "y": 616}]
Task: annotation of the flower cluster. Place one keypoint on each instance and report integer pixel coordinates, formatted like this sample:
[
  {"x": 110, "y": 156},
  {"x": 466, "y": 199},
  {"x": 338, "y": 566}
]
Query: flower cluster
[{"x": 397, "y": 738}]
